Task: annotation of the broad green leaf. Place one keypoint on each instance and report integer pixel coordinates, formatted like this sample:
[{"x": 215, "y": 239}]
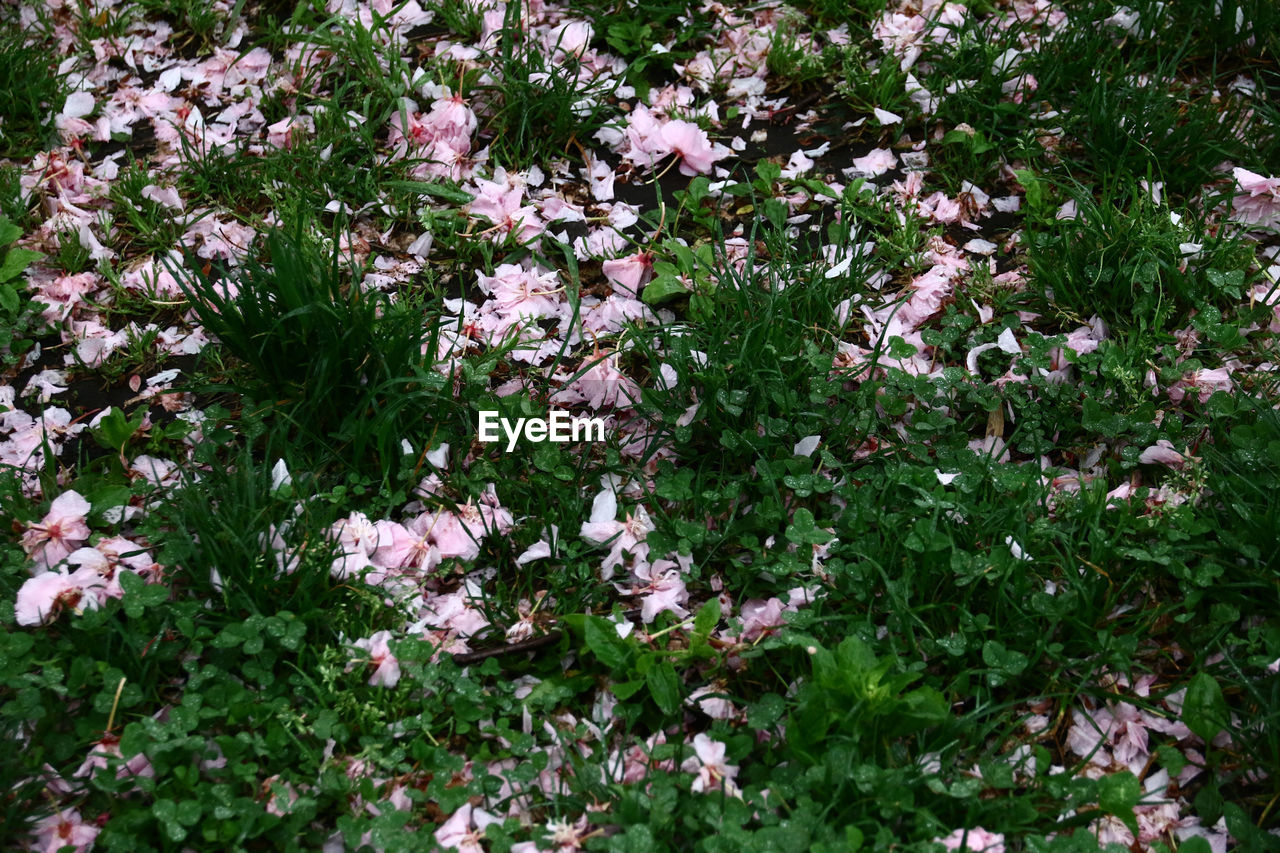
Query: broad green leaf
[
  {"x": 1203, "y": 708},
  {"x": 8, "y": 231},
  {"x": 603, "y": 640},
  {"x": 664, "y": 686},
  {"x": 624, "y": 690},
  {"x": 661, "y": 288},
  {"x": 706, "y": 620},
  {"x": 803, "y": 530},
  {"x": 15, "y": 262},
  {"x": 1118, "y": 793}
]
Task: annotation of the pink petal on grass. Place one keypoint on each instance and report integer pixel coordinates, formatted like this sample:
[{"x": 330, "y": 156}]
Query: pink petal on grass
[{"x": 875, "y": 163}]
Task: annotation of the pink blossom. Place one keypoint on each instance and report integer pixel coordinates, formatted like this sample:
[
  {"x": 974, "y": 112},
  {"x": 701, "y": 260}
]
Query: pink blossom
[
  {"x": 454, "y": 611},
  {"x": 662, "y": 587},
  {"x": 395, "y": 545},
  {"x": 62, "y": 829},
  {"x": 644, "y": 133},
  {"x": 875, "y": 163},
  {"x": 107, "y": 750},
  {"x": 760, "y": 617},
  {"x": 611, "y": 315},
  {"x": 973, "y": 839},
  {"x": 418, "y": 552},
  {"x": 1258, "y": 202},
  {"x": 692, "y": 145},
  {"x": 453, "y": 538},
  {"x": 520, "y": 294},
  {"x": 711, "y": 700},
  {"x": 627, "y": 275},
  {"x": 601, "y": 384},
  {"x": 61, "y": 531},
  {"x": 709, "y": 763},
  {"x": 603, "y": 528},
  {"x": 457, "y": 832},
  {"x": 1164, "y": 453},
  {"x": 501, "y": 202},
  {"x": 43, "y": 597},
  {"x": 357, "y": 539},
  {"x": 1204, "y": 382},
  {"x": 386, "y": 667}
]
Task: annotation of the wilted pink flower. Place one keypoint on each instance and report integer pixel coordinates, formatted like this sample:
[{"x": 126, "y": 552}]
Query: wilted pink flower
[
  {"x": 644, "y": 133},
  {"x": 662, "y": 587},
  {"x": 692, "y": 145},
  {"x": 628, "y": 535},
  {"x": 1204, "y": 382},
  {"x": 1164, "y": 453},
  {"x": 759, "y": 617},
  {"x": 453, "y": 539},
  {"x": 107, "y": 749},
  {"x": 519, "y": 294},
  {"x": 357, "y": 539},
  {"x": 64, "y": 828},
  {"x": 1258, "y": 202},
  {"x": 709, "y": 764},
  {"x": 627, "y": 275},
  {"x": 457, "y": 832},
  {"x": 61, "y": 531},
  {"x": 973, "y": 839},
  {"x": 601, "y": 384},
  {"x": 386, "y": 667},
  {"x": 875, "y": 163},
  {"x": 43, "y": 597}
]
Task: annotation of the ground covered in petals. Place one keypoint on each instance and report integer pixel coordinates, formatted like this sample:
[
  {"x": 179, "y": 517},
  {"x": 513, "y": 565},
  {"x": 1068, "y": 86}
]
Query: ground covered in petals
[{"x": 925, "y": 355}]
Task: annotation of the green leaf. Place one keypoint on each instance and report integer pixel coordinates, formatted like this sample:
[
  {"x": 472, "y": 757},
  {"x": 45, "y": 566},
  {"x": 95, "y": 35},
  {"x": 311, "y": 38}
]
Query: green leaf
[
  {"x": 1118, "y": 793},
  {"x": 15, "y": 263},
  {"x": 602, "y": 638},
  {"x": 662, "y": 288},
  {"x": 9, "y": 299},
  {"x": 664, "y": 686},
  {"x": 133, "y": 600},
  {"x": 766, "y": 711},
  {"x": 1034, "y": 187},
  {"x": 188, "y": 812},
  {"x": 1203, "y": 708},
  {"x": 803, "y": 530},
  {"x": 996, "y": 656},
  {"x": 8, "y": 231},
  {"x": 624, "y": 690},
  {"x": 705, "y": 622},
  {"x": 114, "y": 429},
  {"x": 1230, "y": 283},
  {"x": 768, "y": 172}
]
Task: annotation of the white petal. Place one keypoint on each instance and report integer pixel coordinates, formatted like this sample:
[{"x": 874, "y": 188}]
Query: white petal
[
  {"x": 604, "y": 507},
  {"x": 1008, "y": 343},
  {"x": 79, "y": 104},
  {"x": 886, "y": 117},
  {"x": 806, "y": 445}
]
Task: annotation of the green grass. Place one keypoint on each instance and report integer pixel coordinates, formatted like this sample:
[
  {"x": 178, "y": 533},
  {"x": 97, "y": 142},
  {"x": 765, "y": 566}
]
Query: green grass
[
  {"x": 952, "y": 527},
  {"x": 1136, "y": 263},
  {"x": 533, "y": 108},
  {"x": 30, "y": 93},
  {"x": 300, "y": 321}
]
